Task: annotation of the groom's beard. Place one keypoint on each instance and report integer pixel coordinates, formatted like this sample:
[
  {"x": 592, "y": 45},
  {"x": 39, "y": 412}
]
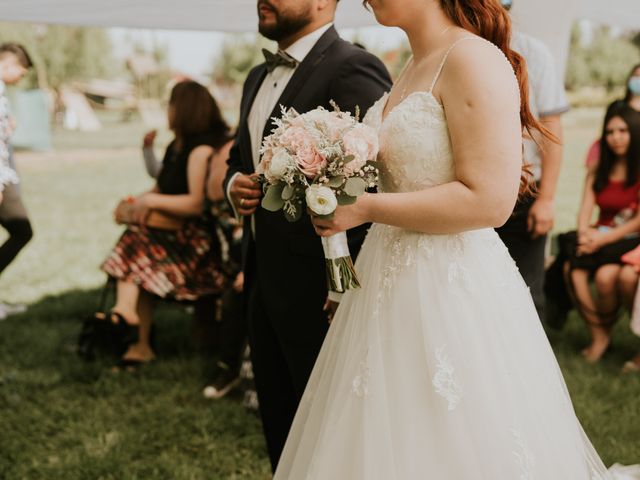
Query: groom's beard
[{"x": 287, "y": 23}]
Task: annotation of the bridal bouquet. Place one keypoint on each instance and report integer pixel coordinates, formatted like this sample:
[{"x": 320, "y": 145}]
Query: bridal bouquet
[{"x": 320, "y": 159}]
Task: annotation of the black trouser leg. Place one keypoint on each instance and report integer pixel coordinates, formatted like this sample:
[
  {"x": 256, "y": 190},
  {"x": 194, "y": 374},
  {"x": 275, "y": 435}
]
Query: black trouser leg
[
  {"x": 276, "y": 393},
  {"x": 233, "y": 329},
  {"x": 19, "y": 235},
  {"x": 527, "y": 252}
]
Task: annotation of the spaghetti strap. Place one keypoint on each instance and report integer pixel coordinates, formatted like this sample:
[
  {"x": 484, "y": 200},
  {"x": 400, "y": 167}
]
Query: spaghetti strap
[
  {"x": 444, "y": 60},
  {"x": 404, "y": 69}
]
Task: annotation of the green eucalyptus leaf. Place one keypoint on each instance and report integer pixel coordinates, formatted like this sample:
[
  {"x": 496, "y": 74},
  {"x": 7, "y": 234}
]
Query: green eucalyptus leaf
[
  {"x": 348, "y": 158},
  {"x": 287, "y": 192},
  {"x": 336, "y": 182},
  {"x": 355, "y": 186},
  {"x": 272, "y": 200},
  {"x": 344, "y": 199}
]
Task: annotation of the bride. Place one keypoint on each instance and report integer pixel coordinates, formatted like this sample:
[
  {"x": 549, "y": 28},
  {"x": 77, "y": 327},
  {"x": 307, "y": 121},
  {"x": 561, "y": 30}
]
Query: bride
[{"x": 438, "y": 367}]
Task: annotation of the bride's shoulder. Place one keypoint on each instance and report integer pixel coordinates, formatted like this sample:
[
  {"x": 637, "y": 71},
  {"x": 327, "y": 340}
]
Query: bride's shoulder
[{"x": 478, "y": 67}]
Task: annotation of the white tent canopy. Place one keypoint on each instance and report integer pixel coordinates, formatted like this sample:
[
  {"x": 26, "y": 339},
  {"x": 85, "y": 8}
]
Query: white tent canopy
[{"x": 549, "y": 20}]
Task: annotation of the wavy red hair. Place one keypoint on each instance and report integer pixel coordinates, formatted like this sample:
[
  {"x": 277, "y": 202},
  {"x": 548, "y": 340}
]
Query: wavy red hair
[{"x": 491, "y": 21}]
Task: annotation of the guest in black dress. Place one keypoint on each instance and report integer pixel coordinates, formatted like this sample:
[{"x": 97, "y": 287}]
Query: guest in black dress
[{"x": 183, "y": 263}]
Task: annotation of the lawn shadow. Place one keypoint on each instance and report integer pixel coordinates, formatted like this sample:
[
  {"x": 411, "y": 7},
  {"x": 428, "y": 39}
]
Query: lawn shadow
[{"x": 62, "y": 417}]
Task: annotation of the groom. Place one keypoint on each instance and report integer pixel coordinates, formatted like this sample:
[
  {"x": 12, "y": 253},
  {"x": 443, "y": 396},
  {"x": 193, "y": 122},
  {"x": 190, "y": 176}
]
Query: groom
[{"x": 284, "y": 264}]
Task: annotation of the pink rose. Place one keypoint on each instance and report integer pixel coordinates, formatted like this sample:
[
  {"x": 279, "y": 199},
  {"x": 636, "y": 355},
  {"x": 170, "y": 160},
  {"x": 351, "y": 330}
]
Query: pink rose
[
  {"x": 295, "y": 138},
  {"x": 361, "y": 142},
  {"x": 310, "y": 161}
]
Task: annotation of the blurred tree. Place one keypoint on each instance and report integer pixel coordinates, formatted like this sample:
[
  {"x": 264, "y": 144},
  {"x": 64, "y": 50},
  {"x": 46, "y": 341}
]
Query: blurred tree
[
  {"x": 239, "y": 54},
  {"x": 62, "y": 54},
  {"x": 603, "y": 62}
]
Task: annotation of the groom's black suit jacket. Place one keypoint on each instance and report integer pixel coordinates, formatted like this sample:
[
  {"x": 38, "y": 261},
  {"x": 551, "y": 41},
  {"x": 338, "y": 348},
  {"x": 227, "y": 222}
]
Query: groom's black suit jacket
[
  {"x": 284, "y": 262},
  {"x": 333, "y": 70}
]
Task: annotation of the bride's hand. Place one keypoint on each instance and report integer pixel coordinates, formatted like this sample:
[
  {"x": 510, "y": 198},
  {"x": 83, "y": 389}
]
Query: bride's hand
[{"x": 344, "y": 218}]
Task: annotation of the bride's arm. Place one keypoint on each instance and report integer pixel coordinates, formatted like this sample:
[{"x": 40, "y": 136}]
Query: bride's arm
[{"x": 481, "y": 100}]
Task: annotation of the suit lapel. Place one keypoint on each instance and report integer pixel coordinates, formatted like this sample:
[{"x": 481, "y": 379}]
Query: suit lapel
[
  {"x": 301, "y": 75},
  {"x": 252, "y": 91}
]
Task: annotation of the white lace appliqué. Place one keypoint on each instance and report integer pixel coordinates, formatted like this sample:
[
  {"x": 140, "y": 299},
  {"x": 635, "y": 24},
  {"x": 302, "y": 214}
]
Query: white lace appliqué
[
  {"x": 360, "y": 383},
  {"x": 445, "y": 381},
  {"x": 525, "y": 459},
  {"x": 458, "y": 273}
]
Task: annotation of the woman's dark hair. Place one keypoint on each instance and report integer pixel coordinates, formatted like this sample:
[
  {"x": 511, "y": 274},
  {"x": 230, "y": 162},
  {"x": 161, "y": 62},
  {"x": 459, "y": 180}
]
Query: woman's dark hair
[
  {"x": 608, "y": 158},
  {"x": 18, "y": 51},
  {"x": 196, "y": 113},
  {"x": 628, "y": 96}
]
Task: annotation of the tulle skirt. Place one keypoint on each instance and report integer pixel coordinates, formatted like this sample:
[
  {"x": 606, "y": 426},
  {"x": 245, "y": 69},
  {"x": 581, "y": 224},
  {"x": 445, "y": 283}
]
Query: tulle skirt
[{"x": 437, "y": 368}]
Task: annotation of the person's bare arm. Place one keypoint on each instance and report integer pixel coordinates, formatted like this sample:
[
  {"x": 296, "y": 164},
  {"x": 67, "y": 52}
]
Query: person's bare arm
[
  {"x": 480, "y": 95},
  {"x": 542, "y": 212}
]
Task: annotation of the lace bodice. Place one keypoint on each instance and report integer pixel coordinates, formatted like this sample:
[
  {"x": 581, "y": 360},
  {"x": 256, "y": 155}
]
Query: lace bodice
[{"x": 415, "y": 149}]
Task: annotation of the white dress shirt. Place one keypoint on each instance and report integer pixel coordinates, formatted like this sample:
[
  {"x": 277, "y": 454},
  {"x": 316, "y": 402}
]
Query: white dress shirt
[{"x": 271, "y": 90}]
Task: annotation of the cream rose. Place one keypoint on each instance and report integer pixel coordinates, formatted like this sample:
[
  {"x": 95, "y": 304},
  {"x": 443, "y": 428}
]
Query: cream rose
[
  {"x": 361, "y": 142},
  {"x": 321, "y": 200},
  {"x": 279, "y": 163}
]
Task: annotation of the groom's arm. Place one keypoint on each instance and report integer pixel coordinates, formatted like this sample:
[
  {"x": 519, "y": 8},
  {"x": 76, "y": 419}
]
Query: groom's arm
[{"x": 360, "y": 80}]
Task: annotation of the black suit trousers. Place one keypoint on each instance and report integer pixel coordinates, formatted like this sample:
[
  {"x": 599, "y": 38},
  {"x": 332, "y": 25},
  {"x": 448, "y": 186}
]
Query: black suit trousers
[{"x": 284, "y": 348}]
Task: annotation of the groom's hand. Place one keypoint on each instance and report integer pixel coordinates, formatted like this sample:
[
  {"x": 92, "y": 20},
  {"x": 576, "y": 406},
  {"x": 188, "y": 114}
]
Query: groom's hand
[{"x": 245, "y": 194}]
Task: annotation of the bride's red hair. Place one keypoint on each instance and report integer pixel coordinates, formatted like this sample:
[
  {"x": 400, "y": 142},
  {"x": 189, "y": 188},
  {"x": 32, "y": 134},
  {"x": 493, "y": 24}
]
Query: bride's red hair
[{"x": 491, "y": 21}]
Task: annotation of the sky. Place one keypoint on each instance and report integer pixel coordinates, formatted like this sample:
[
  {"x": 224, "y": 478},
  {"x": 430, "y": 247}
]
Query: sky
[{"x": 194, "y": 53}]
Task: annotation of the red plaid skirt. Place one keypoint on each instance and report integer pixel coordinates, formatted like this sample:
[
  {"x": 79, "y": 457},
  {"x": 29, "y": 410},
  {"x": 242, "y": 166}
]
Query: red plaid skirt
[{"x": 183, "y": 265}]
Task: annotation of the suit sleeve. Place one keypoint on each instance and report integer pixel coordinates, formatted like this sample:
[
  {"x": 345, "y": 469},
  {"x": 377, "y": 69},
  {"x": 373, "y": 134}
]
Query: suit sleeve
[
  {"x": 235, "y": 163},
  {"x": 361, "y": 80}
]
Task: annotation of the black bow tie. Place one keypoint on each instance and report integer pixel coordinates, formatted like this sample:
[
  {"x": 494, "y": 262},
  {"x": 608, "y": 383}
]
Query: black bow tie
[{"x": 279, "y": 59}]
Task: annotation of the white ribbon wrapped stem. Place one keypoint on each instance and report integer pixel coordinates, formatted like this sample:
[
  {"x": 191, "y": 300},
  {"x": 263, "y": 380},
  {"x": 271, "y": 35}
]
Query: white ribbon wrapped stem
[{"x": 335, "y": 246}]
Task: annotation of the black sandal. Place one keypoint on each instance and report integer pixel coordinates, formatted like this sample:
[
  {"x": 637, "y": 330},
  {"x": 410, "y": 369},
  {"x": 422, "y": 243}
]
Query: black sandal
[{"x": 126, "y": 333}]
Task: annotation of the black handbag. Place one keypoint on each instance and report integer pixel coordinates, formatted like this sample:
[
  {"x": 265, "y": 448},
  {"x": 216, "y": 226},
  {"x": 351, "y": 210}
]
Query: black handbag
[{"x": 99, "y": 335}]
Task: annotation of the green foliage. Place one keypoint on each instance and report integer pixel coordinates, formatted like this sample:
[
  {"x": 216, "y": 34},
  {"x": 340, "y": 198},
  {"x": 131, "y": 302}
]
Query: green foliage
[
  {"x": 273, "y": 199},
  {"x": 604, "y": 62},
  {"x": 239, "y": 54},
  {"x": 62, "y": 54}
]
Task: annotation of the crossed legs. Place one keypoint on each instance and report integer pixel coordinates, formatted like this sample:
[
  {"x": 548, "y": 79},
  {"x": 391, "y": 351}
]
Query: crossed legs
[{"x": 615, "y": 285}]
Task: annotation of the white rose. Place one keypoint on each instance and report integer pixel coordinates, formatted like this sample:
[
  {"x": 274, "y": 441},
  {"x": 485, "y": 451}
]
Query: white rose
[
  {"x": 279, "y": 164},
  {"x": 321, "y": 200}
]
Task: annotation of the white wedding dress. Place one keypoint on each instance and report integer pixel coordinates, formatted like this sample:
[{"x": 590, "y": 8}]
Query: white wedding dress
[{"x": 438, "y": 367}]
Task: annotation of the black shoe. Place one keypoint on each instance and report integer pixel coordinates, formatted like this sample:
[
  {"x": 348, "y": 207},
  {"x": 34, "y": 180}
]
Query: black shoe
[{"x": 225, "y": 380}]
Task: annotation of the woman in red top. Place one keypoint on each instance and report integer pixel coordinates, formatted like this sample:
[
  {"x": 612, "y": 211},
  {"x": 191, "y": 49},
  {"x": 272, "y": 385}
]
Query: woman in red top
[
  {"x": 614, "y": 187},
  {"x": 631, "y": 98}
]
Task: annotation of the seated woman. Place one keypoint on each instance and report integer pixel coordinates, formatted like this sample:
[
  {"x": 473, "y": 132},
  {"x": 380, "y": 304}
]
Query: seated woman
[
  {"x": 180, "y": 264},
  {"x": 614, "y": 187},
  {"x": 631, "y": 98}
]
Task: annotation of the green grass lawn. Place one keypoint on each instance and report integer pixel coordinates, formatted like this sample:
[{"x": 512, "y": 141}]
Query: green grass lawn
[{"x": 64, "y": 419}]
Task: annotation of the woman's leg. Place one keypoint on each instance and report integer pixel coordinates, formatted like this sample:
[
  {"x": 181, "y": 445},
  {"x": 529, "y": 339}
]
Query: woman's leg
[
  {"x": 141, "y": 350},
  {"x": 607, "y": 302},
  {"x": 627, "y": 285},
  {"x": 588, "y": 308},
  {"x": 127, "y": 299}
]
